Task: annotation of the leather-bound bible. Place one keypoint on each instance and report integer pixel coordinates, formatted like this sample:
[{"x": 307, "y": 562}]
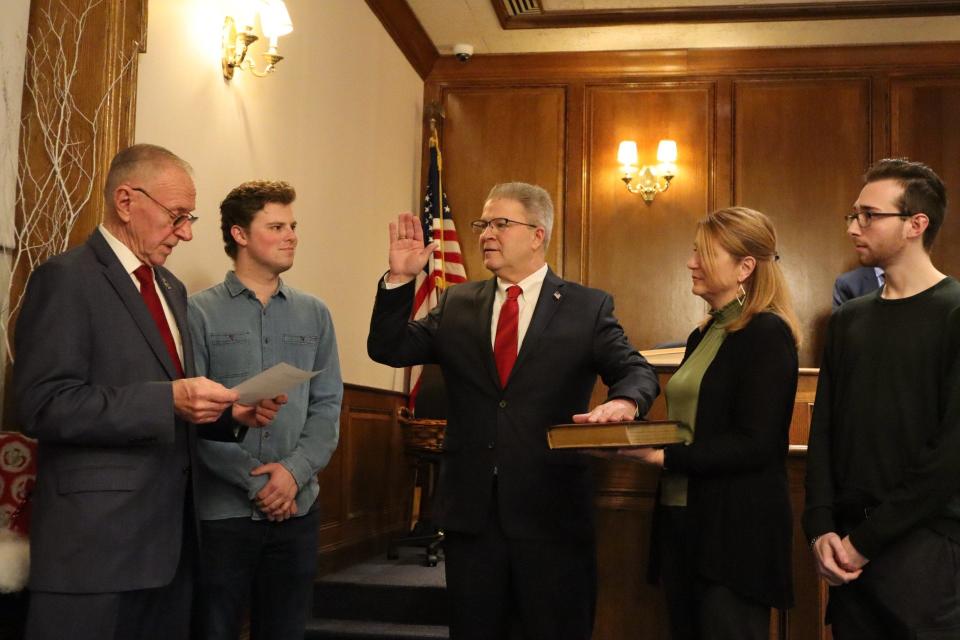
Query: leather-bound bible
[{"x": 654, "y": 433}]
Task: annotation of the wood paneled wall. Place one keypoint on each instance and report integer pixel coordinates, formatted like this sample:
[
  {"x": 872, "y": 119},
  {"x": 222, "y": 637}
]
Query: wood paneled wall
[
  {"x": 923, "y": 124},
  {"x": 365, "y": 490},
  {"x": 786, "y": 131},
  {"x": 484, "y": 118},
  {"x": 622, "y": 235}
]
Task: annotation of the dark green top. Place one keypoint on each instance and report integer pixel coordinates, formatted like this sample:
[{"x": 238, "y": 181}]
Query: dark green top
[
  {"x": 683, "y": 391},
  {"x": 885, "y": 434}
]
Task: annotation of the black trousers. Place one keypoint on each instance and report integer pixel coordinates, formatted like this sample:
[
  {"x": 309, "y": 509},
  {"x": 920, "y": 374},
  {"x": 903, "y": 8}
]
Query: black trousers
[
  {"x": 911, "y": 591},
  {"x": 533, "y": 589},
  {"x": 268, "y": 565},
  {"x": 700, "y": 609},
  {"x": 148, "y": 614}
]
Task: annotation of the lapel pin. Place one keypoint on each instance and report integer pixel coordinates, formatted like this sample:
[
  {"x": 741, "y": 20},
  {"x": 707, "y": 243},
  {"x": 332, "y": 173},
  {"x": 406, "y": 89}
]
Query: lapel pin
[{"x": 556, "y": 294}]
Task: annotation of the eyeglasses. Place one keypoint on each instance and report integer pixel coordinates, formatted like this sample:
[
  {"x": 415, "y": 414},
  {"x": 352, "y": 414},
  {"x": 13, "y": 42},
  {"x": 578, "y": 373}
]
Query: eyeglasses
[
  {"x": 498, "y": 224},
  {"x": 177, "y": 219},
  {"x": 864, "y": 218}
]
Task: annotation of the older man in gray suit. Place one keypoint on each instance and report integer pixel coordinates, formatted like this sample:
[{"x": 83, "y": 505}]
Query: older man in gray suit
[{"x": 102, "y": 381}]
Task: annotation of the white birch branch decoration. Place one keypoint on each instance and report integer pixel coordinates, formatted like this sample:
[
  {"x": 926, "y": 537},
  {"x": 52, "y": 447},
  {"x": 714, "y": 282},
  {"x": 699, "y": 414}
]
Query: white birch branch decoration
[{"x": 65, "y": 134}]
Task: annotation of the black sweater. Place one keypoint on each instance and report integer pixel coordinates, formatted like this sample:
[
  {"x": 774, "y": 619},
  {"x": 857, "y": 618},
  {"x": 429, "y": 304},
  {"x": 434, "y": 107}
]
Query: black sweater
[
  {"x": 738, "y": 501},
  {"x": 886, "y": 425}
]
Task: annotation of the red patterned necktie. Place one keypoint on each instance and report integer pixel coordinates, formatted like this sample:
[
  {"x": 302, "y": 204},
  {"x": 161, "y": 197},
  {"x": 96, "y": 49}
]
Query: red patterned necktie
[
  {"x": 149, "y": 294},
  {"x": 505, "y": 344}
]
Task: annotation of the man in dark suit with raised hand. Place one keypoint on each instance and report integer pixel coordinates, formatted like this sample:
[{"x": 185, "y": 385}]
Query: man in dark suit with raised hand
[
  {"x": 101, "y": 379},
  {"x": 519, "y": 352}
]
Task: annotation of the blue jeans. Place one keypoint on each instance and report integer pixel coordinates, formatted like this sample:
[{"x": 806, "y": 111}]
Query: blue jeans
[{"x": 270, "y": 565}]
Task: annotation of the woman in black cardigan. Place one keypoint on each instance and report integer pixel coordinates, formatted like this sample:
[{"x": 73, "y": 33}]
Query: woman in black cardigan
[{"x": 722, "y": 530}]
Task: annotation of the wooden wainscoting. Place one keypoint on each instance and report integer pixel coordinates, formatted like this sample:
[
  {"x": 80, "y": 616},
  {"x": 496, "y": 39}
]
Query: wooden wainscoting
[{"x": 365, "y": 490}]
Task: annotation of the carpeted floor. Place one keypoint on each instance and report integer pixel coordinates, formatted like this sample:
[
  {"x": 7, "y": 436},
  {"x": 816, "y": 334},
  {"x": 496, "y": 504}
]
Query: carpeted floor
[{"x": 381, "y": 599}]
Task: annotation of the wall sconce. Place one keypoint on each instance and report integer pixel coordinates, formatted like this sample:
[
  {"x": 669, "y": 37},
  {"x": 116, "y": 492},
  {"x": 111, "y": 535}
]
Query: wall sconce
[
  {"x": 651, "y": 180},
  {"x": 238, "y": 35}
]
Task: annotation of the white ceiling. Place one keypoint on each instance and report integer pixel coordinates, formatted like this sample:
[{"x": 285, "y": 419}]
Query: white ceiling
[{"x": 474, "y": 22}]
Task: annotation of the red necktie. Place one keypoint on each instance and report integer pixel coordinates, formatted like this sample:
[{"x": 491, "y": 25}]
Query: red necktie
[
  {"x": 149, "y": 293},
  {"x": 505, "y": 344}
]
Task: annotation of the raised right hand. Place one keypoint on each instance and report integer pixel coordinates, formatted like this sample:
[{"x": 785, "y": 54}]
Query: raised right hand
[
  {"x": 408, "y": 256},
  {"x": 201, "y": 400}
]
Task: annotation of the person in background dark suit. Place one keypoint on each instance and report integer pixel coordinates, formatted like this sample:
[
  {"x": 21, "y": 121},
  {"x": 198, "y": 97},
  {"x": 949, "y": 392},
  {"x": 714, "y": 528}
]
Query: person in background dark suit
[
  {"x": 722, "y": 532},
  {"x": 519, "y": 352},
  {"x": 856, "y": 283},
  {"x": 103, "y": 359}
]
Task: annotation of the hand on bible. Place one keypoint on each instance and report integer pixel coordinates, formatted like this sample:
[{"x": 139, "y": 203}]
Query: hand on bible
[
  {"x": 831, "y": 557},
  {"x": 260, "y": 414},
  {"x": 408, "y": 256},
  {"x": 616, "y": 410}
]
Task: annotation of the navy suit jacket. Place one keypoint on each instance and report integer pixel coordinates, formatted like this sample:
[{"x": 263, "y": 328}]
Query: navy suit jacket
[
  {"x": 93, "y": 384},
  {"x": 854, "y": 284},
  {"x": 573, "y": 337}
]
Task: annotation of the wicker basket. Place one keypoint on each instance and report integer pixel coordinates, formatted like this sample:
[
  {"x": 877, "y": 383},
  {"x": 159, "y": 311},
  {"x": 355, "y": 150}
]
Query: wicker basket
[{"x": 421, "y": 435}]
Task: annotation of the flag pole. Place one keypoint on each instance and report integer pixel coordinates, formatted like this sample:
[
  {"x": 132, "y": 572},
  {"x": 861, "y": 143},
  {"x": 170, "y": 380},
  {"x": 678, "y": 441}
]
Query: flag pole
[{"x": 435, "y": 144}]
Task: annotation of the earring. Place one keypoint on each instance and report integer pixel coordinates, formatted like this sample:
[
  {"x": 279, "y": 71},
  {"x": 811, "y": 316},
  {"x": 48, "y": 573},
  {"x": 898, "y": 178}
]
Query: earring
[{"x": 741, "y": 295}]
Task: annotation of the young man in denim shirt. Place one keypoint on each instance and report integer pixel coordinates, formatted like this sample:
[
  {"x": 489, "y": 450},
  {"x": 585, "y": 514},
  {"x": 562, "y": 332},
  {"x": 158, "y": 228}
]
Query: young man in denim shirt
[{"x": 257, "y": 497}]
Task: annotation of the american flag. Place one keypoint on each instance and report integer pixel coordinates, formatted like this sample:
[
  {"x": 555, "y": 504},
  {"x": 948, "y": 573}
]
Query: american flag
[{"x": 445, "y": 268}]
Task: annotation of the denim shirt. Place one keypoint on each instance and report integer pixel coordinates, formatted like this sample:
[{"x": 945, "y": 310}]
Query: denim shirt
[{"x": 236, "y": 337}]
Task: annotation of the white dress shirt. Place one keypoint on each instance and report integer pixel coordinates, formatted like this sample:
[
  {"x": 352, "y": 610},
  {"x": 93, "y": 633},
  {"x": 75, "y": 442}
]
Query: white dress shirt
[{"x": 527, "y": 302}]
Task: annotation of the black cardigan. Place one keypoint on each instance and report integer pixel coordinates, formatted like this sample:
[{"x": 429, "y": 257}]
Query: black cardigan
[{"x": 738, "y": 500}]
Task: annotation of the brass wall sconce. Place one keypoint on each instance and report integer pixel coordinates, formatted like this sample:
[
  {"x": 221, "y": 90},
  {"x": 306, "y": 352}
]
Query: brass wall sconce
[
  {"x": 650, "y": 180},
  {"x": 238, "y": 35}
]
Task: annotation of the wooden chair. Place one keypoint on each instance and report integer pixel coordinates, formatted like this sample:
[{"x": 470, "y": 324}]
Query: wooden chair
[{"x": 423, "y": 443}]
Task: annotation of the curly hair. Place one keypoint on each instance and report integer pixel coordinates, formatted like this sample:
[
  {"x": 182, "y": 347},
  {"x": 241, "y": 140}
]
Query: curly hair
[{"x": 245, "y": 201}]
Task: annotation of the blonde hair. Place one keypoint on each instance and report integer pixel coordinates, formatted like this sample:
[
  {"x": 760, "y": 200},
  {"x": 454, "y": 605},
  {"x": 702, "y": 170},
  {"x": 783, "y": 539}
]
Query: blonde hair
[{"x": 743, "y": 232}]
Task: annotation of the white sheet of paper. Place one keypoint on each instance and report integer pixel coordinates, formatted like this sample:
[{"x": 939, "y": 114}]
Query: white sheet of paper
[{"x": 271, "y": 383}]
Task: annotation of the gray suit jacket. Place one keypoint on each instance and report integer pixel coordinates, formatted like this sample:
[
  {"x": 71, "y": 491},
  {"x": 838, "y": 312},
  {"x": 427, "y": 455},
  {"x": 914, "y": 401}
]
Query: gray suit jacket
[
  {"x": 854, "y": 284},
  {"x": 93, "y": 385}
]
